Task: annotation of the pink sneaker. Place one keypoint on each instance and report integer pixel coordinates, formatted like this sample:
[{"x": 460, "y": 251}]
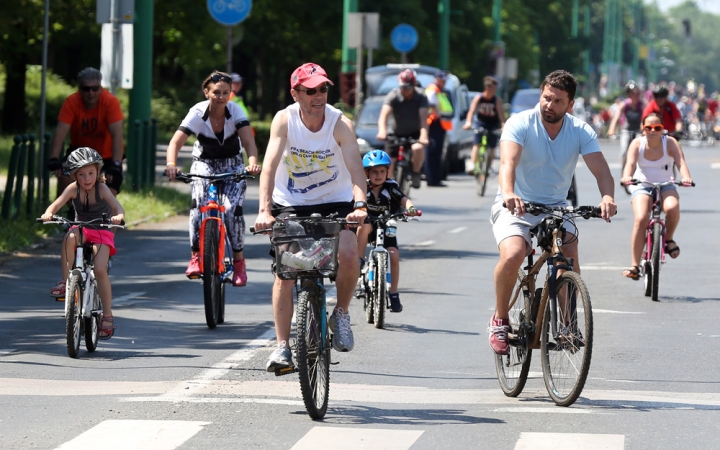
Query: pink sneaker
[
  {"x": 239, "y": 275},
  {"x": 193, "y": 269},
  {"x": 498, "y": 338}
]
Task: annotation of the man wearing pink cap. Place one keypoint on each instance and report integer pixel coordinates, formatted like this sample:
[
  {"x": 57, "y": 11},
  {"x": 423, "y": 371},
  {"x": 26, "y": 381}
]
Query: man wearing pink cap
[{"x": 313, "y": 165}]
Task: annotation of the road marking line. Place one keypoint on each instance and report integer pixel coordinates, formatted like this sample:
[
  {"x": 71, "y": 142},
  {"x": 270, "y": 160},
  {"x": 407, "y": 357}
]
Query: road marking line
[
  {"x": 217, "y": 370},
  {"x": 6, "y": 351},
  {"x": 588, "y": 267},
  {"x": 268, "y": 401},
  {"x": 422, "y": 244},
  {"x": 562, "y": 441},
  {"x": 715, "y": 166},
  {"x": 327, "y": 438},
  {"x": 37, "y": 387},
  {"x": 555, "y": 410},
  {"x": 610, "y": 311},
  {"x": 458, "y": 230},
  {"x": 131, "y": 434},
  {"x": 127, "y": 297}
]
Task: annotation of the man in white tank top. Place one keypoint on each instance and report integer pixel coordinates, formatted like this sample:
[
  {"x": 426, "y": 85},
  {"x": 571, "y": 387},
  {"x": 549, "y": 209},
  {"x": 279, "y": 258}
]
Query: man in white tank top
[{"x": 313, "y": 164}]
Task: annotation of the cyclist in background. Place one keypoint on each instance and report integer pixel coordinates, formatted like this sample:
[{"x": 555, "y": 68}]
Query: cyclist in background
[
  {"x": 409, "y": 106},
  {"x": 660, "y": 105},
  {"x": 651, "y": 158},
  {"x": 222, "y": 131},
  {"x": 313, "y": 165},
  {"x": 94, "y": 119},
  {"x": 237, "y": 83},
  {"x": 629, "y": 117},
  {"x": 490, "y": 115},
  {"x": 539, "y": 149},
  {"x": 384, "y": 195}
]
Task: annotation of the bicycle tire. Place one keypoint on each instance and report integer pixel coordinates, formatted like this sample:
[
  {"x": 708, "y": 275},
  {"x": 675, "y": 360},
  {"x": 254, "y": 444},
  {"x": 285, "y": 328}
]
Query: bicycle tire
[
  {"x": 380, "y": 297},
  {"x": 487, "y": 164},
  {"x": 479, "y": 173},
  {"x": 512, "y": 369},
  {"x": 211, "y": 276},
  {"x": 402, "y": 179},
  {"x": 368, "y": 300},
  {"x": 73, "y": 319},
  {"x": 92, "y": 323},
  {"x": 655, "y": 261},
  {"x": 313, "y": 350},
  {"x": 221, "y": 310},
  {"x": 566, "y": 361}
]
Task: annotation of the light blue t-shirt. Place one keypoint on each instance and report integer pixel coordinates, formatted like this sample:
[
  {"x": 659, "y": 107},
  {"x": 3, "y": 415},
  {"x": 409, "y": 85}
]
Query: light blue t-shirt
[{"x": 546, "y": 166}]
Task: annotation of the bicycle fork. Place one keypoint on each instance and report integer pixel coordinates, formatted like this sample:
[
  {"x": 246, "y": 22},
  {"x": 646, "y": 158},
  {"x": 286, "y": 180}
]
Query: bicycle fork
[{"x": 552, "y": 293}]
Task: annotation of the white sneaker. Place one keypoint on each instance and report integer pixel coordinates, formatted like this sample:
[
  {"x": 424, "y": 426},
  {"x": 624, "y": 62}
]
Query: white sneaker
[
  {"x": 342, "y": 339},
  {"x": 281, "y": 358}
]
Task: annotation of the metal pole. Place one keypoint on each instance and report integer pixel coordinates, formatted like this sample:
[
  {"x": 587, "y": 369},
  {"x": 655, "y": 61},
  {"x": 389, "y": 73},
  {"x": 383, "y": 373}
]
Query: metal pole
[
  {"x": 444, "y": 32},
  {"x": 116, "y": 35},
  {"x": 359, "y": 65},
  {"x": 348, "y": 54},
  {"x": 43, "y": 93},
  {"x": 229, "y": 50},
  {"x": 497, "y": 18},
  {"x": 574, "y": 25}
]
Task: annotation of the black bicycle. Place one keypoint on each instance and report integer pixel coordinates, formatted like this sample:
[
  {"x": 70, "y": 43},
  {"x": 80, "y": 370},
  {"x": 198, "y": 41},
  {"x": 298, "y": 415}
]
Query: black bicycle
[
  {"x": 403, "y": 160},
  {"x": 556, "y": 318}
]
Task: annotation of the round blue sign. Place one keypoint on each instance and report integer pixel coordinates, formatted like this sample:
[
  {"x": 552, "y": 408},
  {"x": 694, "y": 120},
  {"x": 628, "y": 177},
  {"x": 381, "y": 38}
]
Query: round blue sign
[
  {"x": 229, "y": 12},
  {"x": 404, "y": 38}
]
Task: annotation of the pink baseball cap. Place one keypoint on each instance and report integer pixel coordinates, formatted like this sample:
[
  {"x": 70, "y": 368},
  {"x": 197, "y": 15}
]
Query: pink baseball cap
[{"x": 309, "y": 75}]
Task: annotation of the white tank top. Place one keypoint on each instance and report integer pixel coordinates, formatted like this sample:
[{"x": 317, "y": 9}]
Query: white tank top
[
  {"x": 312, "y": 170},
  {"x": 654, "y": 171}
]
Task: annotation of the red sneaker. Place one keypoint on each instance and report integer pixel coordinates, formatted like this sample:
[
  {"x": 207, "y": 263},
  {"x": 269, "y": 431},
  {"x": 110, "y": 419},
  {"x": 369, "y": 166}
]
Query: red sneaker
[
  {"x": 498, "y": 330},
  {"x": 193, "y": 269},
  {"x": 239, "y": 275}
]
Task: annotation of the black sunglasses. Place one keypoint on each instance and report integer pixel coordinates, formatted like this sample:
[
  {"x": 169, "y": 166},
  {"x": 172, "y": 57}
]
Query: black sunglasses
[
  {"x": 313, "y": 91},
  {"x": 218, "y": 77},
  {"x": 90, "y": 88}
]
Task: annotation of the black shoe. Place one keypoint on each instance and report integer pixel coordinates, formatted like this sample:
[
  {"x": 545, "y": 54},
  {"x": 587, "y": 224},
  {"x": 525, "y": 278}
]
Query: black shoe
[
  {"x": 395, "y": 305},
  {"x": 441, "y": 184},
  {"x": 416, "y": 180}
]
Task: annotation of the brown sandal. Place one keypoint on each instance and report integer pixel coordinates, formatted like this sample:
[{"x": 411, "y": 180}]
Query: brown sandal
[
  {"x": 632, "y": 273},
  {"x": 58, "y": 290},
  {"x": 670, "y": 251},
  {"x": 106, "y": 331}
]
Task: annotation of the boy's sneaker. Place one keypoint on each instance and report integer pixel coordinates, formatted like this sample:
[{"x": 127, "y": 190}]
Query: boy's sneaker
[
  {"x": 342, "y": 339},
  {"x": 416, "y": 180},
  {"x": 193, "y": 268},
  {"x": 395, "y": 305},
  {"x": 498, "y": 330},
  {"x": 281, "y": 358}
]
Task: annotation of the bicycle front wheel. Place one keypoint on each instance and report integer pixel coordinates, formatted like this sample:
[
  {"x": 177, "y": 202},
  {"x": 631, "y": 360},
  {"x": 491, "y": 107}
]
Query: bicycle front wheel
[
  {"x": 211, "y": 275},
  {"x": 480, "y": 172},
  {"x": 402, "y": 177},
  {"x": 380, "y": 297},
  {"x": 566, "y": 357},
  {"x": 486, "y": 165},
  {"x": 512, "y": 369},
  {"x": 368, "y": 299},
  {"x": 655, "y": 261},
  {"x": 73, "y": 318},
  {"x": 92, "y": 323},
  {"x": 313, "y": 350}
]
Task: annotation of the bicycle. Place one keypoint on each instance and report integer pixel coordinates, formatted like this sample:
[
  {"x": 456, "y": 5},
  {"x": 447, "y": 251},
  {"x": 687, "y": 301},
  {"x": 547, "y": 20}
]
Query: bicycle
[
  {"x": 83, "y": 309},
  {"x": 216, "y": 253},
  {"x": 403, "y": 160},
  {"x": 653, "y": 256},
  {"x": 305, "y": 250},
  {"x": 483, "y": 165},
  {"x": 560, "y": 311},
  {"x": 375, "y": 276}
]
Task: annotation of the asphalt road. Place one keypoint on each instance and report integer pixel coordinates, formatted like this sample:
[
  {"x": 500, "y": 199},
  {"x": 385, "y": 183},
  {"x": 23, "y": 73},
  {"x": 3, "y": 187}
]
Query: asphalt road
[{"x": 426, "y": 381}]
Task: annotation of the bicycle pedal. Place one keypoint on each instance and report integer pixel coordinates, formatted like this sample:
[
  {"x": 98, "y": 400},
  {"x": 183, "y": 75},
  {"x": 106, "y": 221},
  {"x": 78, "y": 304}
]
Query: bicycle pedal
[
  {"x": 96, "y": 312},
  {"x": 194, "y": 277},
  {"x": 285, "y": 371},
  {"x": 59, "y": 299}
]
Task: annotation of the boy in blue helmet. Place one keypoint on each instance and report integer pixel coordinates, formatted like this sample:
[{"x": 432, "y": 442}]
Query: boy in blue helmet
[{"x": 384, "y": 195}]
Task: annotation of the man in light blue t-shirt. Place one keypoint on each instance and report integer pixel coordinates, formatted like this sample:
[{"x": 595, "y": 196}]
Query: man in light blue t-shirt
[{"x": 539, "y": 150}]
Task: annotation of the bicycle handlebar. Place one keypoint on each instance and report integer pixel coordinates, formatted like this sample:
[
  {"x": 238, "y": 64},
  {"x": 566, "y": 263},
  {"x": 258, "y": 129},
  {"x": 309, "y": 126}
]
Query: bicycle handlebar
[
  {"x": 485, "y": 131},
  {"x": 586, "y": 212},
  {"x": 100, "y": 222},
  {"x": 635, "y": 182},
  {"x": 235, "y": 176},
  {"x": 399, "y": 215},
  {"x": 400, "y": 140},
  {"x": 340, "y": 220}
]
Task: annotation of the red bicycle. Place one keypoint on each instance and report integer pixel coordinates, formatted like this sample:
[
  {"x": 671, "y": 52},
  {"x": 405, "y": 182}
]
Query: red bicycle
[
  {"x": 216, "y": 254},
  {"x": 653, "y": 256}
]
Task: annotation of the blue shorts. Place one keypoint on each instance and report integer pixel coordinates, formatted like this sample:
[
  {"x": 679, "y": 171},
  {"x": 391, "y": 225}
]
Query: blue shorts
[{"x": 646, "y": 190}]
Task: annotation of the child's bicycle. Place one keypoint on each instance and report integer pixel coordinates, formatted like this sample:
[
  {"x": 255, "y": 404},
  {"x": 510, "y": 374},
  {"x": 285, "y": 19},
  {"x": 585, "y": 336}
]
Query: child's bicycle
[
  {"x": 483, "y": 164},
  {"x": 403, "y": 163},
  {"x": 653, "y": 256},
  {"x": 306, "y": 251},
  {"x": 216, "y": 254},
  {"x": 555, "y": 318},
  {"x": 376, "y": 274},
  {"x": 83, "y": 308}
]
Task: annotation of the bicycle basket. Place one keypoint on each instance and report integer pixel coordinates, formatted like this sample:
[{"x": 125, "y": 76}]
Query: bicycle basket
[
  {"x": 543, "y": 232},
  {"x": 306, "y": 248}
]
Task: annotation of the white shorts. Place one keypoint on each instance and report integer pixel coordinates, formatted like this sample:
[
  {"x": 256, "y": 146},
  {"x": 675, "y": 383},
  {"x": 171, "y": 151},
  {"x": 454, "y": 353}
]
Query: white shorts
[{"x": 505, "y": 224}]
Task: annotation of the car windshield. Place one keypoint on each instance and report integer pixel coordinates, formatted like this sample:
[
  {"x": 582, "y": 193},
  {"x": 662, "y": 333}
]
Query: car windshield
[
  {"x": 525, "y": 100},
  {"x": 381, "y": 84},
  {"x": 370, "y": 113}
]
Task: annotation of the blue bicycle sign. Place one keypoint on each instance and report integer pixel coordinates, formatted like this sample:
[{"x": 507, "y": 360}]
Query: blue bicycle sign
[
  {"x": 229, "y": 12},
  {"x": 404, "y": 38}
]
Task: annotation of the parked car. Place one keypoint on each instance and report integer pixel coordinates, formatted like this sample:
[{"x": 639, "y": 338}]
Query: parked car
[
  {"x": 366, "y": 124},
  {"x": 524, "y": 99},
  {"x": 379, "y": 80}
]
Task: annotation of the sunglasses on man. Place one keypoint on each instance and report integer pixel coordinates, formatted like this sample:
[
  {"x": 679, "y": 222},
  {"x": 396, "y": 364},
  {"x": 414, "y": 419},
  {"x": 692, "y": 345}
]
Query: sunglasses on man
[
  {"x": 90, "y": 88},
  {"x": 219, "y": 77},
  {"x": 653, "y": 128},
  {"x": 313, "y": 91}
]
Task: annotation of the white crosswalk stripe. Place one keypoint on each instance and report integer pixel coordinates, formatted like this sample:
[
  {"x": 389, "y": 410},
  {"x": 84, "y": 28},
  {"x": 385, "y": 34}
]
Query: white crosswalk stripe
[
  {"x": 570, "y": 441},
  {"x": 328, "y": 438},
  {"x": 135, "y": 434}
]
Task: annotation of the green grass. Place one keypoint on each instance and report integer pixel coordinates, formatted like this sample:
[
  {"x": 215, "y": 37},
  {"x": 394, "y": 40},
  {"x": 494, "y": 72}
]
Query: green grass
[{"x": 149, "y": 205}]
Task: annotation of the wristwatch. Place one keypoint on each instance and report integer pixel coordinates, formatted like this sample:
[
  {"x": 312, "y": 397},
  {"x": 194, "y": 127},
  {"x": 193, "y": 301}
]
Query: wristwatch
[
  {"x": 360, "y": 205},
  {"x": 118, "y": 163}
]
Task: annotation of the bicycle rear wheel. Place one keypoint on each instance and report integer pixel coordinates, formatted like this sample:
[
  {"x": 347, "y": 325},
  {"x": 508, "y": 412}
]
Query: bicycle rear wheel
[
  {"x": 92, "y": 323},
  {"x": 566, "y": 357},
  {"x": 480, "y": 178},
  {"x": 73, "y": 319},
  {"x": 221, "y": 309},
  {"x": 512, "y": 369},
  {"x": 368, "y": 299},
  {"x": 655, "y": 261},
  {"x": 313, "y": 350},
  {"x": 380, "y": 296},
  {"x": 401, "y": 176},
  {"x": 211, "y": 276}
]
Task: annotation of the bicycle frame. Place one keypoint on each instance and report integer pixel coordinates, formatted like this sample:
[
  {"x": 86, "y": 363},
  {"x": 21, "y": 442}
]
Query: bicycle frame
[
  {"x": 655, "y": 217},
  {"x": 214, "y": 210}
]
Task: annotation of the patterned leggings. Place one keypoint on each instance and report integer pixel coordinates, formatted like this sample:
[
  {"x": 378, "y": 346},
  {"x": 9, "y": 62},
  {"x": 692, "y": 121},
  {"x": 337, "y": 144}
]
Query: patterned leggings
[{"x": 234, "y": 197}]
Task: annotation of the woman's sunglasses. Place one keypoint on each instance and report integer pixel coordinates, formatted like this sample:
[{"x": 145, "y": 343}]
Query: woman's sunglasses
[
  {"x": 90, "y": 88},
  {"x": 313, "y": 91},
  {"x": 218, "y": 77},
  {"x": 653, "y": 127}
]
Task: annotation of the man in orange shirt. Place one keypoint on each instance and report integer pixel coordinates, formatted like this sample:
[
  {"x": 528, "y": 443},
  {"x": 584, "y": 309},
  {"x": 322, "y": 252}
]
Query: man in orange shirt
[{"x": 93, "y": 117}]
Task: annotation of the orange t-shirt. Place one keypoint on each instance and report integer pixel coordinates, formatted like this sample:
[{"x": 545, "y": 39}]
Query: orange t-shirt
[{"x": 89, "y": 127}]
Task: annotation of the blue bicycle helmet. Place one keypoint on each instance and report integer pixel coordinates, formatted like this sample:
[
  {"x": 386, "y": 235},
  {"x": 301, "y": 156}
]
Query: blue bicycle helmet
[{"x": 376, "y": 158}]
